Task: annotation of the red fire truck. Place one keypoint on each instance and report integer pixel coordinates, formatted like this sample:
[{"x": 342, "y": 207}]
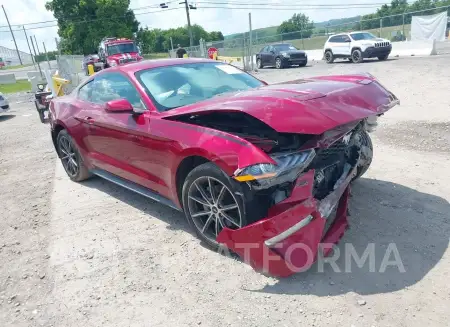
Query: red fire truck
[{"x": 114, "y": 51}]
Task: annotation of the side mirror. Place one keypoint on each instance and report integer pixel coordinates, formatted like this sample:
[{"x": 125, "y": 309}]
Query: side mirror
[
  {"x": 120, "y": 105},
  {"x": 272, "y": 52}
]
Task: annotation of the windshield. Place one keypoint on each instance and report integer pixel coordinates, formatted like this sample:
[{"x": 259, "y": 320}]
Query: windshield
[
  {"x": 362, "y": 36},
  {"x": 121, "y": 48},
  {"x": 174, "y": 86},
  {"x": 284, "y": 47}
]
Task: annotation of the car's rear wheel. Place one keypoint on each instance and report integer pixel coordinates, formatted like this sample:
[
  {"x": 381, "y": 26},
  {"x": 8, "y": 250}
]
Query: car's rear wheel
[
  {"x": 70, "y": 157},
  {"x": 382, "y": 58},
  {"x": 366, "y": 154},
  {"x": 259, "y": 63},
  {"x": 210, "y": 203},
  {"x": 357, "y": 56},
  {"x": 278, "y": 63},
  {"x": 329, "y": 58}
]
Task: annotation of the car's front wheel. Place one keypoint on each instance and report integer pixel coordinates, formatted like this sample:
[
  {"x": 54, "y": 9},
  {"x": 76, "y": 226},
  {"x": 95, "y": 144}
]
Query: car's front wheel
[
  {"x": 210, "y": 203},
  {"x": 382, "y": 58},
  {"x": 357, "y": 56},
  {"x": 278, "y": 63},
  {"x": 259, "y": 63},
  {"x": 70, "y": 157}
]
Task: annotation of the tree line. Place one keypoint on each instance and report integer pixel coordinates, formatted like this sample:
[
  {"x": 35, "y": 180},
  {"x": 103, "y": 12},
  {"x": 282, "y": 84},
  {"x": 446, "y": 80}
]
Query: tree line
[
  {"x": 83, "y": 24},
  {"x": 400, "y": 9},
  {"x": 158, "y": 40}
]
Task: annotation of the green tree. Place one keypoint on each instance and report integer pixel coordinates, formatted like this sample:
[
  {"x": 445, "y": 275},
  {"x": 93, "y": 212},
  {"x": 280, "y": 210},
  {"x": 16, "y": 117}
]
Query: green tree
[
  {"x": 297, "y": 27},
  {"x": 83, "y": 23}
]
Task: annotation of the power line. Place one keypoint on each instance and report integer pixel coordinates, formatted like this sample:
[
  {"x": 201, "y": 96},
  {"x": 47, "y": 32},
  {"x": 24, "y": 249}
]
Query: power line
[
  {"x": 133, "y": 9},
  {"x": 296, "y": 4},
  {"x": 92, "y": 20},
  {"x": 286, "y": 8}
]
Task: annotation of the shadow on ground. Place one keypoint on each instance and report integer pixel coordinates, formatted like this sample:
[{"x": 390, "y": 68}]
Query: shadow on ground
[
  {"x": 6, "y": 117},
  {"x": 382, "y": 213}
]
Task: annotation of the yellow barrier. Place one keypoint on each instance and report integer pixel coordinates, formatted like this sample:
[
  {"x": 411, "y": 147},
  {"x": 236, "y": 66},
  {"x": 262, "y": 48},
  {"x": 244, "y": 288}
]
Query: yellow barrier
[
  {"x": 228, "y": 60},
  {"x": 185, "y": 55},
  {"x": 91, "y": 69},
  {"x": 58, "y": 83}
]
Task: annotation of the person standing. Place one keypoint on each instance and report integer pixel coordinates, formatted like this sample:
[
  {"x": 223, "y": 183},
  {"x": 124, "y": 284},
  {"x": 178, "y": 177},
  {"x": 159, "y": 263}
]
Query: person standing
[{"x": 180, "y": 52}]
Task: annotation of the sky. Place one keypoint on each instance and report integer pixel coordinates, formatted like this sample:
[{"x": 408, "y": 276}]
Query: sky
[{"x": 228, "y": 21}]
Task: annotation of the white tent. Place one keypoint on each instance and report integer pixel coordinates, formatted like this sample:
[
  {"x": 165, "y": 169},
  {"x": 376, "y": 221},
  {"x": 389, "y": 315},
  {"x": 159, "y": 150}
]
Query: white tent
[{"x": 432, "y": 27}]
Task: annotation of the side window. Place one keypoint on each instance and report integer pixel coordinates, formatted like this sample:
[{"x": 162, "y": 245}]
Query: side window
[
  {"x": 85, "y": 92},
  {"x": 265, "y": 49},
  {"x": 345, "y": 38},
  {"x": 114, "y": 86},
  {"x": 335, "y": 39},
  {"x": 270, "y": 48}
]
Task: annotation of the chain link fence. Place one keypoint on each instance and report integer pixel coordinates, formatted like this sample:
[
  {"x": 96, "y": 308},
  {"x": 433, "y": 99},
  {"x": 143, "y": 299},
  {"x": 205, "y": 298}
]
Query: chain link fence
[
  {"x": 395, "y": 28},
  {"x": 70, "y": 67}
]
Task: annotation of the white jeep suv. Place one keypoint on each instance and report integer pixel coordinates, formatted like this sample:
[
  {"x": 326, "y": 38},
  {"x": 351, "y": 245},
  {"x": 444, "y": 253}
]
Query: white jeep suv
[{"x": 356, "y": 46}]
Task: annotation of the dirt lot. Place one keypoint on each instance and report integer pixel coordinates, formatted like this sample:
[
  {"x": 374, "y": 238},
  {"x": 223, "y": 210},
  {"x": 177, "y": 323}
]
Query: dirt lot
[{"x": 92, "y": 254}]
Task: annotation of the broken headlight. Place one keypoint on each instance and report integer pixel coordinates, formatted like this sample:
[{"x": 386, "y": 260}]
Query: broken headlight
[{"x": 287, "y": 165}]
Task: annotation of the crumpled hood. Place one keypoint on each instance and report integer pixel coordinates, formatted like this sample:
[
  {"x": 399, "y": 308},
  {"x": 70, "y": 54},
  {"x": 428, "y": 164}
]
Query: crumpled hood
[{"x": 308, "y": 106}]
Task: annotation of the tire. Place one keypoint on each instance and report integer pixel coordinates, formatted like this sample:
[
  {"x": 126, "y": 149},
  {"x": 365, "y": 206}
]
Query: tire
[
  {"x": 365, "y": 141},
  {"x": 303, "y": 65},
  {"x": 259, "y": 64},
  {"x": 199, "y": 209},
  {"x": 383, "y": 58},
  {"x": 357, "y": 56},
  {"x": 278, "y": 63},
  {"x": 329, "y": 58},
  {"x": 65, "y": 145}
]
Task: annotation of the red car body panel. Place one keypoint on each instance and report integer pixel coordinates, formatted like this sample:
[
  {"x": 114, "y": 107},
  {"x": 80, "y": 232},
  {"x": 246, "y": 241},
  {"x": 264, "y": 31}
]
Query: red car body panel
[{"x": 148, "y": 149}]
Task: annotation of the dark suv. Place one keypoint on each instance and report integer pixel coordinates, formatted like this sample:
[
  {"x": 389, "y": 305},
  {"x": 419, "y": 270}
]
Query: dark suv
[{"x": 281, "y": 55}]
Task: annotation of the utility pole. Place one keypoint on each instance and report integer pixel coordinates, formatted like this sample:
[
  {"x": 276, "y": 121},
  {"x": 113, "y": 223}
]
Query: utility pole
[
  {"x": 250, "y": 48},
  {"x": 34, "y": 50},
  {"x": 191, "y": 39},
  {"x": 171, "y": 43},
  {"x": 12, "y": 34},
  {"x": 29, "y": 48},
  {"x": 46, "y": 56},
  {"x": 37, "y": 46}
]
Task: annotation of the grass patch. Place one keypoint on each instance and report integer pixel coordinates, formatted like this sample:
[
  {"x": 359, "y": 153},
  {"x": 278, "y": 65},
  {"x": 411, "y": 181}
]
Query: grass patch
[
  {"x": 17, "y": 66},
  {"x": 159, "y": 55},
  {"x": 21, "y": 85}
]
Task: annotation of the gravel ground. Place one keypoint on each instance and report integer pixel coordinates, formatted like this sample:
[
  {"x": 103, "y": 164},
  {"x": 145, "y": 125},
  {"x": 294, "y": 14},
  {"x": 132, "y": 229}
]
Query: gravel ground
[{"x": 92, "y": 254}]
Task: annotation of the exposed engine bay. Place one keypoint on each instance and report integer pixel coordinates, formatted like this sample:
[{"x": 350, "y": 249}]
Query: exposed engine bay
[{"x": 335, "y": 154}]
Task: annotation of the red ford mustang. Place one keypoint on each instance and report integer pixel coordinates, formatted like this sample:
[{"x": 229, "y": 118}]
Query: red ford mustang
[{"x": 261, "y": 169}]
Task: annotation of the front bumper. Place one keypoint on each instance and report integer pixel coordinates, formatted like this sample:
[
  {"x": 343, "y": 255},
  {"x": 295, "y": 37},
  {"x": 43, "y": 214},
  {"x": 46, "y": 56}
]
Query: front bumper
[
  {"x": 373, "y": 52},
  {"x": 4, "y": 107},
  {"x": 288, "y": 240},
  {"x": 294, "y": 61}
]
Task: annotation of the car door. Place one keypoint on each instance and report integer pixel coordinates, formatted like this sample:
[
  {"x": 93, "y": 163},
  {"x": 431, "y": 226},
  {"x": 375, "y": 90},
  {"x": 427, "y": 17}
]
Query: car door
[
  {"x": 121, "y": 142},
  {"x": 335, "y": 45},
  {"x": 263, "y": 55},
  {"x": 271, "y": 51},
  {"x": 345, "y": 45}
]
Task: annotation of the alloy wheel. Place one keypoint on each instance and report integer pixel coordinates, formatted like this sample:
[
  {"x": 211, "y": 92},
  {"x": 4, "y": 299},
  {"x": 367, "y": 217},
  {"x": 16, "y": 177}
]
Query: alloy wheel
[
  {"x": 212, "y": 207},
  {"x": 355, "y": 56},
  {"x": 258, "y": 63},
  {"x": 278, "y": 63},
  {"x": 68, "y": 156},
  {"x": 328, "y": 56}
]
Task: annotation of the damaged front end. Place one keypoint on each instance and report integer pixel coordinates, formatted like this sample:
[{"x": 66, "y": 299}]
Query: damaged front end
[{"x": 290, "y": 203}]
